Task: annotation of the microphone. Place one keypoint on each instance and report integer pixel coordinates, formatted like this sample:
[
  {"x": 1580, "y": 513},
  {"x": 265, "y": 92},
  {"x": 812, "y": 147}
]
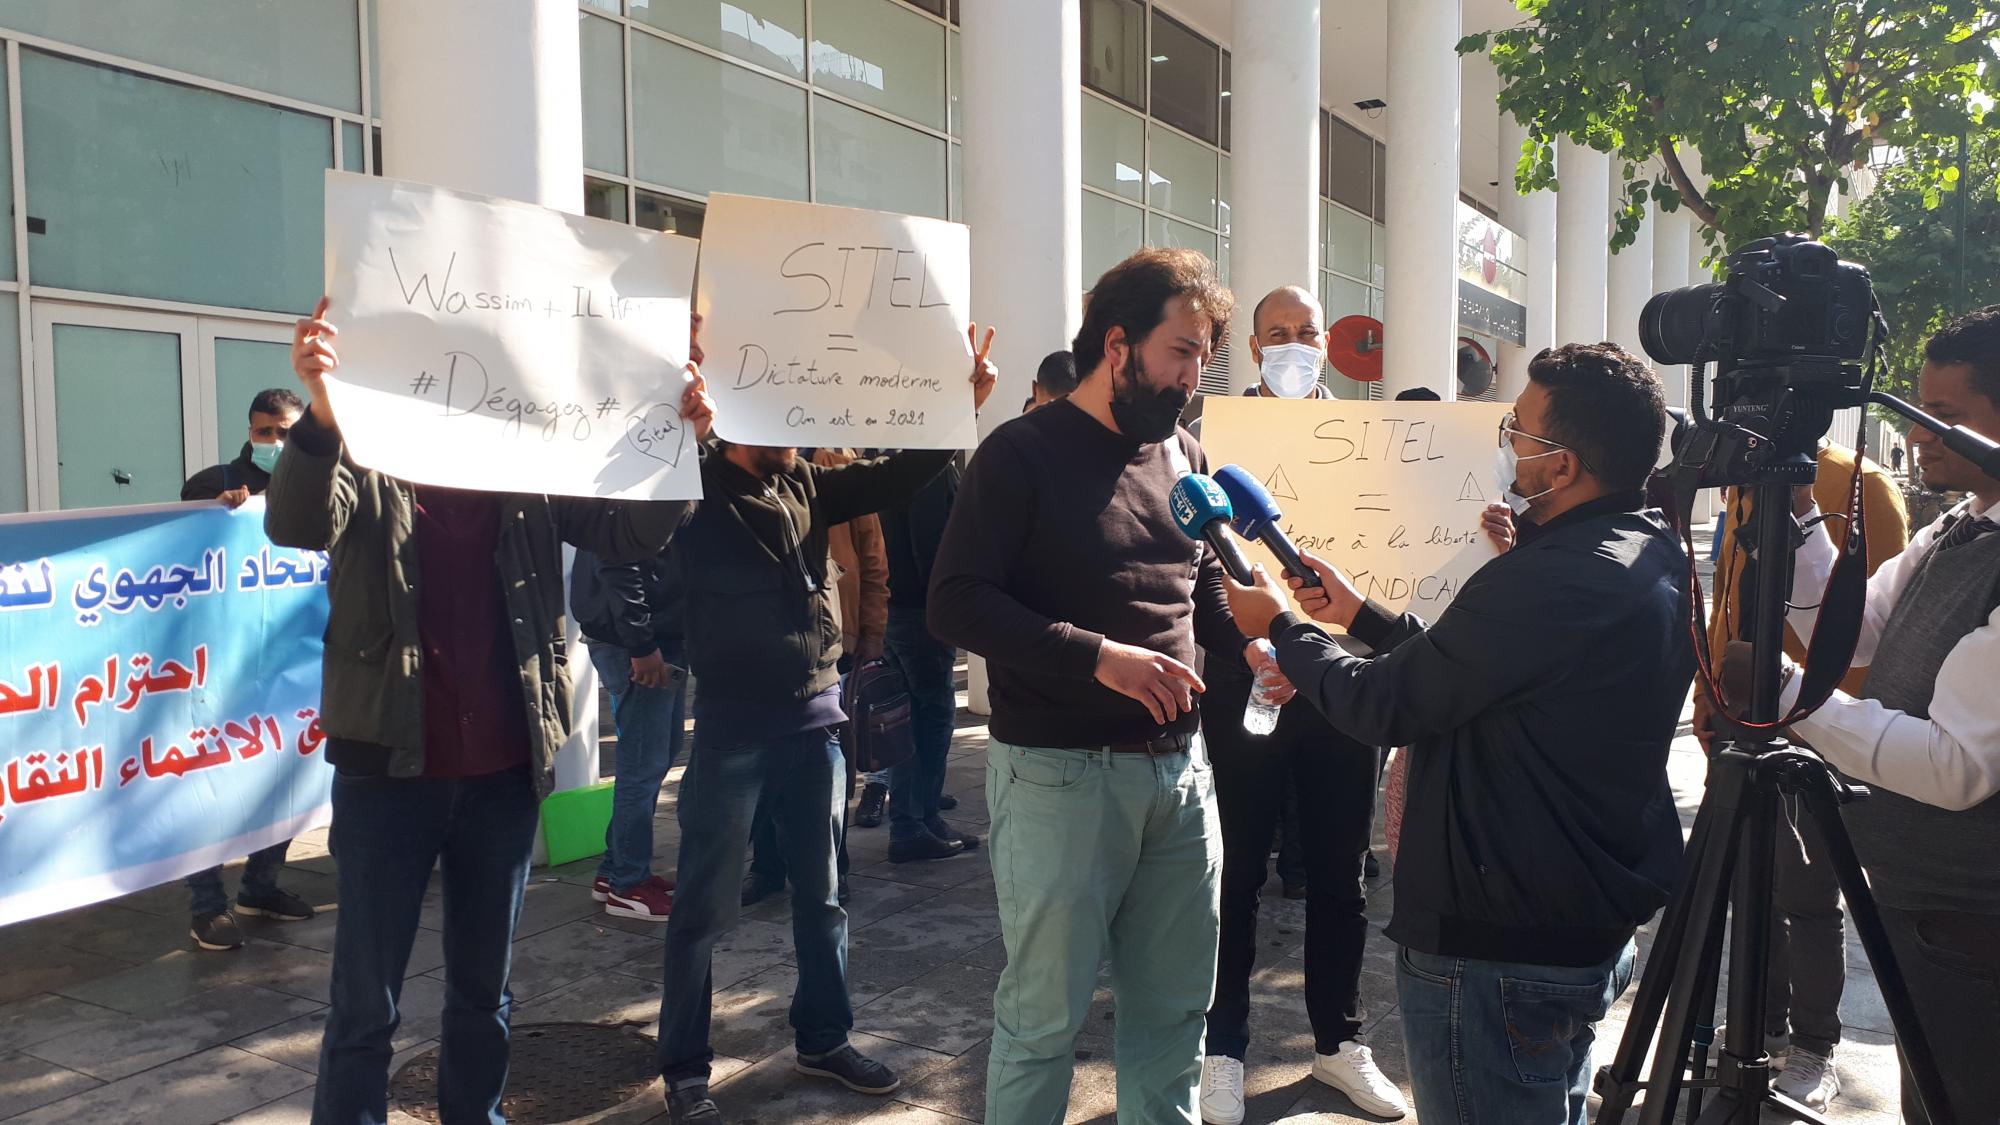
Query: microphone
[
  {"x": 1256, "y": 516},
  {"x": 1201, "y": 510}
]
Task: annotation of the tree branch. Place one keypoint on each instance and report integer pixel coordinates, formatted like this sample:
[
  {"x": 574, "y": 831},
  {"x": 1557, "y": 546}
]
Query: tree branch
[{"x": 1690, "y": 194}]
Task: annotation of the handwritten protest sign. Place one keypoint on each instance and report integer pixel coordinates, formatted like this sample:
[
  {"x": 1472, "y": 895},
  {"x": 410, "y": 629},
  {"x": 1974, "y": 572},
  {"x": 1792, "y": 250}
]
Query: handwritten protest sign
[
  {"x": 159, "y": 679},
  {"x": 491, "y": 344},
  {"x": 1390, "y": 492},
  {"x": 835, "y": 326}
]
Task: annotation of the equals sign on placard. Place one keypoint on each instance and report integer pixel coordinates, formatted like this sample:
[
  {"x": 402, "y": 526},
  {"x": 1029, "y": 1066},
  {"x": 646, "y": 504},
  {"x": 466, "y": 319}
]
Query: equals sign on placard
[{"x": 841, "y": 342}]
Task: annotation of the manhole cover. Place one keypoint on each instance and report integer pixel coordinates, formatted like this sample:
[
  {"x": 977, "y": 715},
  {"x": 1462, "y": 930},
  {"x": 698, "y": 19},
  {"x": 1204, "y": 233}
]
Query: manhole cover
[{"x": 557, "y": 1072}]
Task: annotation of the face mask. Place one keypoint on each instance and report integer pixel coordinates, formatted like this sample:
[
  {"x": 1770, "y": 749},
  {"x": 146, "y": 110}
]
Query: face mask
[
  {"x": 1145, "y": 415},
  {"x": 1290, "y": 370},
  {"x": 1506, "y": 464},
  {"x": 264, "y": 456}
]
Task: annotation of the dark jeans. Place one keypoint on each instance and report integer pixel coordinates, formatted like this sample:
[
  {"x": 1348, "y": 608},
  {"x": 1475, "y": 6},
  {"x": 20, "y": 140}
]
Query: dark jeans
[
  {"x": 767, "y": 852},
  {"x": 926, "y": 665},
  {"x": 387, "y": 834},
  {"x": 206, "y": 896},
  {"x": 1951, "y": 965},
  {"x": 1334, "y": 778},
  {"x": 1808, "y": 946},
  {"x": 801, "y": 775}
]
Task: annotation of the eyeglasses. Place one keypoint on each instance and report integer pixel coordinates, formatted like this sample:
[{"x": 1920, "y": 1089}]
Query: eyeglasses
[{"x": 1507, "y": 429}]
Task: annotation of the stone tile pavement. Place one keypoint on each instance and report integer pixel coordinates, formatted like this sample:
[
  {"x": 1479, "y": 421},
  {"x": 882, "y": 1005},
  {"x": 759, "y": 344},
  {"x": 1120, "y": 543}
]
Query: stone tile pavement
[{"x": 108, "y": 1015}]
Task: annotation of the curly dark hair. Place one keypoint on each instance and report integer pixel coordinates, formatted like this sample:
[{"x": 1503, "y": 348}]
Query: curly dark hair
[
  {"x": 1133, "y": 295},
  {"x": 1973, "y": 340},
  {"x": 1607, "y": 406}
]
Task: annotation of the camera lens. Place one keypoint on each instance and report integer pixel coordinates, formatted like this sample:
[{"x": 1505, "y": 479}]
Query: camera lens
[{"x": 1674, "y": 325}]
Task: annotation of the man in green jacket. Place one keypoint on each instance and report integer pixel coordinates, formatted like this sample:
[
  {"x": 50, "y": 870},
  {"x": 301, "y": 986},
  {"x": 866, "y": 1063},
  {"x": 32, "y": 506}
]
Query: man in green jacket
[{"x": 445, "y": 697}]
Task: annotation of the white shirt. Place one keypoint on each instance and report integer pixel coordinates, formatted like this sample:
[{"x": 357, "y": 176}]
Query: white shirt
[{"x": 1952, "y": 759}]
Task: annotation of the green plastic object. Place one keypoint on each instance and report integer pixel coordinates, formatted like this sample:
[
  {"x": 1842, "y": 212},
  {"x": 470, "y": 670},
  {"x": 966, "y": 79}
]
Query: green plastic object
[{"x": 573, "y": 822}]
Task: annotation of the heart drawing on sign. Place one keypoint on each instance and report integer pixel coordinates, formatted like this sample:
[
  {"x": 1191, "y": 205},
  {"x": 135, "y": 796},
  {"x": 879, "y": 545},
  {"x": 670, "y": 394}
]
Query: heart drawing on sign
[{"x": 659, "y": 433}]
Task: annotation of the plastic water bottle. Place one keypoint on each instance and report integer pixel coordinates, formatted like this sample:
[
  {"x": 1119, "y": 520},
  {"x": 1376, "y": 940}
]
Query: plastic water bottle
[{"x": 1260, "y": 716}]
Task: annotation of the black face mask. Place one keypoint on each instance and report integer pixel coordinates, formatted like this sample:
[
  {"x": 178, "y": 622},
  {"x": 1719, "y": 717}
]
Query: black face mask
[{"x": 1142, "y": 414}]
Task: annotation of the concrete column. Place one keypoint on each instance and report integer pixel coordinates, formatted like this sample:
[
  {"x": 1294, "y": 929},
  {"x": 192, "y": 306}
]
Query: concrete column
[
  {"x": 1420, "y": 286},
  {"x": 1582, "y": 233},
  {"x": 1532, "y": 218},
  {"x": 1274, "y": 119},
  {"x": 1671, "y": 232},
  {"x": 1023, "y": 184},
  {"x": 499, "y": 113},
  {"x": 1629, "y": 285}
]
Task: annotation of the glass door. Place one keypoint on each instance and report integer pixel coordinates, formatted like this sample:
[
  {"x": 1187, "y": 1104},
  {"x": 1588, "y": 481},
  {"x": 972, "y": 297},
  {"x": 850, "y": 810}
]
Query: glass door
[
  {"x": 125, "y": 418},
  {"x": 239, "y": 359}
]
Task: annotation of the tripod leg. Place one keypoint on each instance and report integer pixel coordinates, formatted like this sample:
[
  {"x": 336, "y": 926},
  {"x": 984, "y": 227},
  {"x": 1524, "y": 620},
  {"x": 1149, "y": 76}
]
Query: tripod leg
[
  {"x": 1824, "y": 807},
  {"x": 1703, "y": 1039},
  {"x": 1743, "y": 1075}
]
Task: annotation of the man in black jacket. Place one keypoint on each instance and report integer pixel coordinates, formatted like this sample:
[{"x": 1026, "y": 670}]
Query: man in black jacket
[
  {"x": 1540, "y": 829},
  {"x": 763, "y": 640}
]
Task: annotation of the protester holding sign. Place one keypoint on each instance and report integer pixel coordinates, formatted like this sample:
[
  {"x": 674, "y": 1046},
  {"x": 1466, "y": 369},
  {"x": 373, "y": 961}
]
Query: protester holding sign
[{"x": 445, "y": 698}]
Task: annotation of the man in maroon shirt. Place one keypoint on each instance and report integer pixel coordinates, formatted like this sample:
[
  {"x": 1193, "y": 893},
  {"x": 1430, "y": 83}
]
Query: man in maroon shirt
[{"x": 445, "y": 697}]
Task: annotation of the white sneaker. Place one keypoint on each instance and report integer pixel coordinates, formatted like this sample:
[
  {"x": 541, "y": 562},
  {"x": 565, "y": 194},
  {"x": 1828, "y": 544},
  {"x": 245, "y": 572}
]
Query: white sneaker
[
  {"x": 1808, "y": 1079},
  {"x": 1353, "y": 1072},
  {"x": 1221, "y": 1090}
]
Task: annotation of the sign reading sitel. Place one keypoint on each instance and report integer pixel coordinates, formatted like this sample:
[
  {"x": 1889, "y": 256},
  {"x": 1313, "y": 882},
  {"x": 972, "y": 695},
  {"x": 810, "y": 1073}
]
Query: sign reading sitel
[
  {"x": 490, "y": 344},
  {"x": 1390, "y": 492},
  {"x": 833, "y": 326}
]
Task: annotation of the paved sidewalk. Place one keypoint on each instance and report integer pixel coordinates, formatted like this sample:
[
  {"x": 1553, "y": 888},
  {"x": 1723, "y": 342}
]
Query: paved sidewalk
[{"x": 107, "y": 1015}]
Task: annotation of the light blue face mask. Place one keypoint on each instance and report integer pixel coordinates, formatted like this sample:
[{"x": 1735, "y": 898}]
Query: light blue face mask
[
  {"x": 1506, "y": 465},
  {"x": 265, "y": 456}
]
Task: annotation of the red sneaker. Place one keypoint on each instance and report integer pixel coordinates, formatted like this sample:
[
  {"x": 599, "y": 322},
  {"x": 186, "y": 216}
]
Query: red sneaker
[
  {"x": 600, "y": 888},
  {"x": 650, "y": 901}
]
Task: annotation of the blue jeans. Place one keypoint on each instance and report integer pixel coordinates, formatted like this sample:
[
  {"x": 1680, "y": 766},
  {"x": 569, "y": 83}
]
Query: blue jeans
[
  {"x": 803, "y": 782},
  {"x": 1492, "y": 1043},
  {"x": 649, "y": 739},
  {"x": 926, "y": 665},
  {"x": 206, "y": 896},
  {"x": 387, "y": 834}
]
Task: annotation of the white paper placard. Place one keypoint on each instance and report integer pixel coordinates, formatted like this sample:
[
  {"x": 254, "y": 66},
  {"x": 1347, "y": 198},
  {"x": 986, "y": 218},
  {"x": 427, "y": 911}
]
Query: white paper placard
[
  {"x": 492, "y": 344},
  {"x": 835, "y": 326},
  {"x": 1390, "y": 492}
]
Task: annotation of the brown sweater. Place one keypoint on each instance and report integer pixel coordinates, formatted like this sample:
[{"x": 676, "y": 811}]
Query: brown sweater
[
  {"x": 1061, "y": 537},
  {"x": 863, "y": 561}
]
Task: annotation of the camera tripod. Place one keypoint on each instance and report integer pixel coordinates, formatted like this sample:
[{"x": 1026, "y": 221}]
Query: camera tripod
[{"x": 1727, "y": 890}]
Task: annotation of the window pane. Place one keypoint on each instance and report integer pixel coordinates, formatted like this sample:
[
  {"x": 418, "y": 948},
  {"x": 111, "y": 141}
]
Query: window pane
[
  {"x": 1111, "y": 232},
  {"x": 7, "y": 219},
  {"x": 603, "y": 199},
  {"x": 1114, "y": 50},
  {"x": 13, "y": 441},
  {"x": 1162, "y": 231},
  {"x": 141, "y": 181},
  {"x": 1380, "y": 257},
  {"x": 1114, "y": 148},
  {"x": 957, "y": 165},
  {"x": 664, "y": 212},
  {"x": 1222, "y": 201},
  {"x": 749, "y": 137},
  {"x": 1223, "y": 100},
  {"x": 955, "y": 79},
  {"x": 375, "y": 67},
  {"x": 353, "y": 145},
  {"x": 304, "y": 49},
  {"x": 243, "y": 369},
  {"x": 1381, "y": 211},
  {"x": 770, "y": 33},
  {"x": 1182, "y": 178},
  {"x": 1347, "y": 242},
  {"x": 602, "y": 60},
  {"x": 610, "y": 6},
  {"x": 130, "y": 455},
  {"x": 880, "y": 53},
  {"x": 862, "y": 160},
  {"x": 1350, "y": 172},
  {"x": 1185, "y": 90}
]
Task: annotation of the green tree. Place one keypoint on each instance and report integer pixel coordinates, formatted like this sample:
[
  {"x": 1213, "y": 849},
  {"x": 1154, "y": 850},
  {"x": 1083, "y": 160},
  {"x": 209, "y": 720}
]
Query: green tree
[{"x": 1780, "y": 97}]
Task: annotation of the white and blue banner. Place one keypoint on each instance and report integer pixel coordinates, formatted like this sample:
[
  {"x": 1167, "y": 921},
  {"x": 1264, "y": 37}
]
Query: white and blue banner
[{"x": 159, "y": 679}]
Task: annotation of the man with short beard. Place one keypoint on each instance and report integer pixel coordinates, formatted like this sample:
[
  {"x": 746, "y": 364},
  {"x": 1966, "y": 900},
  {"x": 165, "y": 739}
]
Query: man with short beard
[{"x": 1062, "y": 565}]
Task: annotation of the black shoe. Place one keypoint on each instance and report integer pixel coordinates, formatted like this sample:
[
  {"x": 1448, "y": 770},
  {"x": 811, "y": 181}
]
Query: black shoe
[
  {"x": 1295, "y": 891},
  {"x": 690, "y": 1105},
  {"x": 950, "y": 835},
  {"x": 947, "y": 802},
  {"x": 923, "y": 847},
  {"x": 1370, "y": 866},
  {"x": 217, "y": 932},
  {"x": 851, "y": 1069},
  {"x": 282, "y": 905},
  {"x": 873, "y": 798},
  {"x": 757, "y": 888}
]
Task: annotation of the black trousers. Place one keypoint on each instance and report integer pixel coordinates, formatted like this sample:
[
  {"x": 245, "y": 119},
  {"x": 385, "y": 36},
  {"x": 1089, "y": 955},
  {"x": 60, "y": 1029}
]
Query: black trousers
[
  {"x": 1334, "y": 780},
  {"x": 1951, "y": 964},
  {"x": 1808, "y": 965}
]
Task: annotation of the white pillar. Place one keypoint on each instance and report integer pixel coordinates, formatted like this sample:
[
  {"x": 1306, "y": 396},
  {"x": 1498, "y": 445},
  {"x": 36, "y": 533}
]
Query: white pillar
[
  {"x": 1584, "y": 186},
  {"x": 1024, "y": 95},
  {"x": 1671, "y": 232},
  {"x": 1532, "y": 218},
  {"x": 500, "y": 112},
  {"x": 1420, "y": 286},
  {"x": 1274, "y": 120},
  {"x": 1629, "y": 284}
]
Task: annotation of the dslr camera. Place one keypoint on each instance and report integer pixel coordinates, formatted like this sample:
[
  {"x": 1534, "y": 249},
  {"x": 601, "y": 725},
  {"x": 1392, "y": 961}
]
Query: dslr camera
[{"x": 1791, "y": 329}]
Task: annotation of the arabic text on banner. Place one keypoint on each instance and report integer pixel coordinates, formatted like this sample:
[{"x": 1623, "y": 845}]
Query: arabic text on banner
[
  {"x": 491, "y": 344},
  {"x": 159, "y": 679}
]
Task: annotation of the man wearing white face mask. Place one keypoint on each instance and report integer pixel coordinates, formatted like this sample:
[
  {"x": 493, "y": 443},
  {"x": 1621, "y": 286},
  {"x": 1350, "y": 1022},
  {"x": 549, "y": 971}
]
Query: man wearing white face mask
[{"x": 1288, "y": 342}]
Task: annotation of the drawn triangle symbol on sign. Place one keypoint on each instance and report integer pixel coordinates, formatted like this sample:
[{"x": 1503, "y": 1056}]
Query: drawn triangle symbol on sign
[
  {"x": 1280, "y": 486},
  {"x": 1470, "y": 490}
]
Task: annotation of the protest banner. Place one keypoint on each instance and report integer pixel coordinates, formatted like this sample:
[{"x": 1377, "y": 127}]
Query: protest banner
[
  {"x": 835, "y": 326},
  {"x": 1390, "y": 492},
  {"x": 491, "y": 344},
  {"x": 159, "y": 680}
]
